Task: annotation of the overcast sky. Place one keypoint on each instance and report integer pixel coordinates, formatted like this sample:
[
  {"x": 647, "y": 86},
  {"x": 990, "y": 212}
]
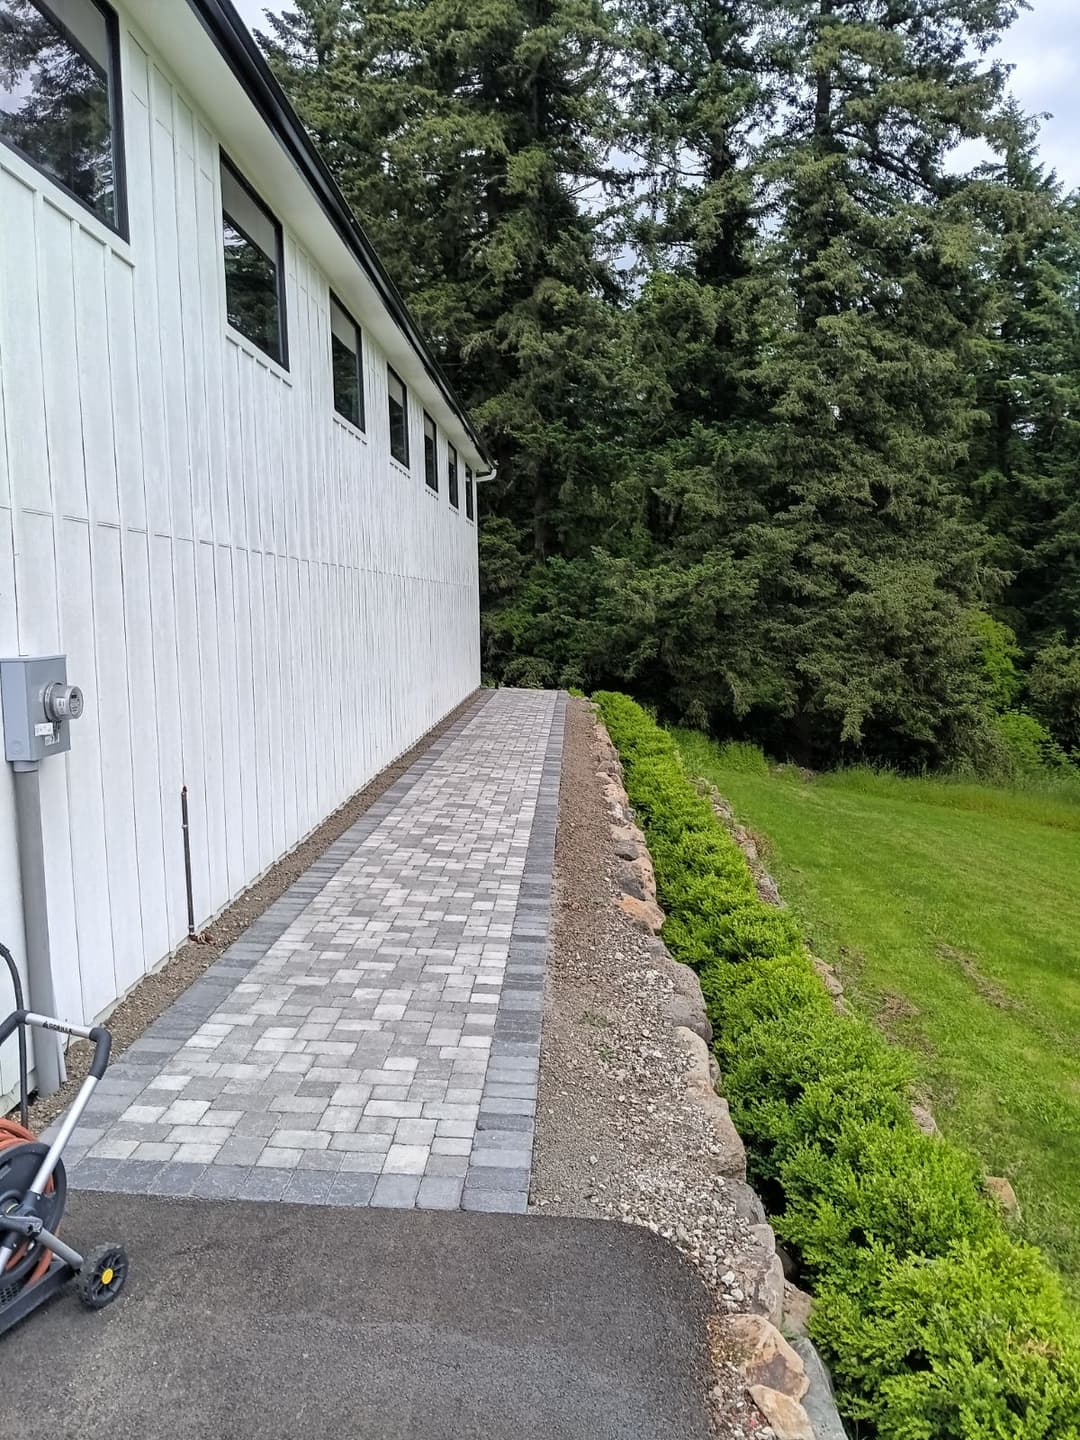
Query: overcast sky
[{"x": 1044, "y": 48}]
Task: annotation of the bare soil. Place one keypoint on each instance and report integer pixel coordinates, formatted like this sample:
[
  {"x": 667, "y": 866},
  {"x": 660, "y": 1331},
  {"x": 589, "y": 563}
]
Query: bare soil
[{"x": 156, "y": 992}]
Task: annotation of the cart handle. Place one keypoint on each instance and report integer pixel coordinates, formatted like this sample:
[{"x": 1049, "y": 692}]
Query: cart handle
[{"x": 101, "y": 1037}]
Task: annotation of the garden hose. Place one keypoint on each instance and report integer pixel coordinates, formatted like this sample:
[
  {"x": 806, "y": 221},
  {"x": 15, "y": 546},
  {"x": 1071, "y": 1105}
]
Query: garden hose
[{"x": 12, "y": 1133}]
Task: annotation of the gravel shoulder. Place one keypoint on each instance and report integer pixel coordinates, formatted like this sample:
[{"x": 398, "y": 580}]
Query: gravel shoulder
[
  {"x": 156, "y": 991},
  {"x": 618, "y": 1135}
]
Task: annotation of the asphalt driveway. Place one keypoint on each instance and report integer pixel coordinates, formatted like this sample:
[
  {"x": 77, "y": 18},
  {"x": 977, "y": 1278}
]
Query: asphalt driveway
[{"x": 277, "y": 1321}]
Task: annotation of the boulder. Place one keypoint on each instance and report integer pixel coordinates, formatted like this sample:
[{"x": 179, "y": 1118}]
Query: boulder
[
  {"x": 818, "y": 1402},
  {"x": 797, "y": 1307},
  {"x": 629, "y": 883},
  {"x": 766, "y": 1356},
  {"x": 999, "y": 1189},
  {"x": 766, "y": 1293},
  {"x": 627, "y": 841},
  {"x": 787, "y": 1417},
  {"x": 763, "y": 1234},
  {"x": 731, "y": 1156},
  {"x": 769, "y": 891},
  {"x": 747, "y": 1202},
  {"x": 642, "y": 869},
  {"x": 615, "y": 795},
  {"x": 645, "y": 913},
  {"x": 685, "y": 1015},
  {"x": 760, "y": 1274},
  {"x": 828, "y": 977}
]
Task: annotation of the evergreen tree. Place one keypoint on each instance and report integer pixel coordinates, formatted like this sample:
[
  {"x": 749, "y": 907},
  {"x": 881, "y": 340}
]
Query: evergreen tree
[
  {"x": 772, "y": 482},
  {"x": 870, "y": 562},
  {"x": 465, "y": 133},
  {"x": 1027, "y": 456}
]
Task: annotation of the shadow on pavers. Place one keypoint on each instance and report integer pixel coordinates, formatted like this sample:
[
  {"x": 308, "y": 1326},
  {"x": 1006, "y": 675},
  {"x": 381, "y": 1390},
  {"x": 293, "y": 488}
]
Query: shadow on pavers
[{"x": 271, "y": 1320}]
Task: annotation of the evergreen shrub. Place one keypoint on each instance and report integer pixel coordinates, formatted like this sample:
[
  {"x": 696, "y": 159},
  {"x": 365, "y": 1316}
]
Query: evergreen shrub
[{"x": 937, "y": 1324}]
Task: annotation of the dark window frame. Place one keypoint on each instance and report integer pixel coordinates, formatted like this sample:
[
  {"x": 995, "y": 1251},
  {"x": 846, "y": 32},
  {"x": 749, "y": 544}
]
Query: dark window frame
[
  {"x": 278, "y": 261},
  {"x": 398, "y": 459},
  {"x": 470, "y": 501},
  {"x": 431, "y": 473},
  {"x": 114, "y": 89},
  {"x": 360, "y": 424},
  {"x": 453, "y": 482}
]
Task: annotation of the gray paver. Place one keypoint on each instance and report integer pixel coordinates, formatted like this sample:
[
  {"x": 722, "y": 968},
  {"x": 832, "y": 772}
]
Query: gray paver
[{"x": 373, "y": 1038}]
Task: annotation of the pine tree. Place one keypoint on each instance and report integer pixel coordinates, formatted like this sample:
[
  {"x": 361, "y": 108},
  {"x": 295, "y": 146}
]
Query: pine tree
[
  {"x": 465, "y": 135},
  {"x": 870, "y": 561},
  {"x": 1027, "y": 455}
]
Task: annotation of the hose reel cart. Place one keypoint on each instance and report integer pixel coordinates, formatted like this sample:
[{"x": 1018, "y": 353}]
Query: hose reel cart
[{"x": 35, "y": 1264}]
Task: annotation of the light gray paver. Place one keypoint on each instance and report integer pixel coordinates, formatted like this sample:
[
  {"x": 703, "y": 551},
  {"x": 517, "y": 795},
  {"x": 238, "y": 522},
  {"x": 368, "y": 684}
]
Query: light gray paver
[{"x": 374, "y": 1037}]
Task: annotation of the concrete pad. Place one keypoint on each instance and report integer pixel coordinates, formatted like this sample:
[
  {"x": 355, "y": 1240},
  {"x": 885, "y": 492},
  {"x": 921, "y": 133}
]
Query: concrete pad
[{"x": 276, "y": 1321}]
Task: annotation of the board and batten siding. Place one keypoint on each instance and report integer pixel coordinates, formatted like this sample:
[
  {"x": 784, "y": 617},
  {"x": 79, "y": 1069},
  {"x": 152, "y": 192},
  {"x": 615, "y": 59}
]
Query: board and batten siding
[{"x": 257, "y": 600}]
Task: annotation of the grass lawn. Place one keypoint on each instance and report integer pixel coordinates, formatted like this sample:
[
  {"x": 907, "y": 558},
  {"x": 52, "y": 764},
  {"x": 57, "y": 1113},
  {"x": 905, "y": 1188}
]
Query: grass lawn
[{"x": 952, "y": 914}]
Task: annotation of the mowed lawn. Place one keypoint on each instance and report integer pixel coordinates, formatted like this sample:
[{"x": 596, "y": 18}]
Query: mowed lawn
[{"x": 952, "y": 912}]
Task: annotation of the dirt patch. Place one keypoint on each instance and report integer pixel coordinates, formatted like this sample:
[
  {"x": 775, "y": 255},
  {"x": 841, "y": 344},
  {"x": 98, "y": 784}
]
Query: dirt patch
[
  {"x": 992, "y": 993},
  {"x": 156, "y": 992},
  {"x": 895, "y": 1010},
  {"x": 618, "y": 1136}
]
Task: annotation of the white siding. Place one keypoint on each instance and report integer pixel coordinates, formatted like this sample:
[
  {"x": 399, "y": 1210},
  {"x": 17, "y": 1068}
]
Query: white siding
[{"x": 257, "y": 601}]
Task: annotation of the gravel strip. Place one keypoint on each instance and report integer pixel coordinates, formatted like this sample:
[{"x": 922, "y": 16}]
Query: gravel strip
[
  {"x": 617, "y": 1137},
  {"x": 156, "y": 991}
]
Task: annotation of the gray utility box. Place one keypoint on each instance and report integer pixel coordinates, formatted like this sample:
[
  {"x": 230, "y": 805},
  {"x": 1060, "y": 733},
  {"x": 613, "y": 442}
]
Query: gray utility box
[{"x": 39, "y": 705}]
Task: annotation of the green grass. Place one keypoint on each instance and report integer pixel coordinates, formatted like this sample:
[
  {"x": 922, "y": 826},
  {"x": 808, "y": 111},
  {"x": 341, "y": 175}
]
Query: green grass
[{"x": 952, "y": 913}]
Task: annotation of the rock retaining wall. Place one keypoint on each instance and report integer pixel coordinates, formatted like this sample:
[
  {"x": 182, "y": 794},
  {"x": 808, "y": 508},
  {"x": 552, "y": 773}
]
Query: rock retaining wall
[{"x": 788, "y": 1383}]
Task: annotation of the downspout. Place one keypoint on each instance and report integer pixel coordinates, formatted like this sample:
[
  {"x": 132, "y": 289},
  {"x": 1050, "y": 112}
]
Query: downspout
[{"x": 38, "y": 706}]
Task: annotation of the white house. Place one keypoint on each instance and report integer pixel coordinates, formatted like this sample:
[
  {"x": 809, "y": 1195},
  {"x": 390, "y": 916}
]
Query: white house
[{"x": 236, "y": 491}]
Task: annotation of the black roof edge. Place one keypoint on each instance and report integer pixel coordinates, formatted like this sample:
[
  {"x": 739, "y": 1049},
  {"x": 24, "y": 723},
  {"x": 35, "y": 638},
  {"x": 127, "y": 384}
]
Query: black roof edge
[{"x": 241, "y": 52}]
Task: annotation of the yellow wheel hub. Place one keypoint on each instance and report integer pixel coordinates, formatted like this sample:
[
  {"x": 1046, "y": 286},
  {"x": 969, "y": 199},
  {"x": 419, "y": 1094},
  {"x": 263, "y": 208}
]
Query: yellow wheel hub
[{"x": 107, "y": 1275}]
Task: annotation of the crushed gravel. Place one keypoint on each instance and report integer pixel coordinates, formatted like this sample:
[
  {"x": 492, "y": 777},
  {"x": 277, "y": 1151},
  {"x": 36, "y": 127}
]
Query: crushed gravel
[
  {"x": 156, "y": 992},
  {"x": 617, "y": 1137}
]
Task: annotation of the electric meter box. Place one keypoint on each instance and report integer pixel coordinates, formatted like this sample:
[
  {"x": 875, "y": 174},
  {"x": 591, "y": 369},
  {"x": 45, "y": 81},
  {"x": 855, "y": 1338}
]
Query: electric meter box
[{"x": 39, "y": 706}]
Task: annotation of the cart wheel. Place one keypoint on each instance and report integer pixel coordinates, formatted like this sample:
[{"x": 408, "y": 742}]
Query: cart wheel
[{"x": 102, "y": 1276}]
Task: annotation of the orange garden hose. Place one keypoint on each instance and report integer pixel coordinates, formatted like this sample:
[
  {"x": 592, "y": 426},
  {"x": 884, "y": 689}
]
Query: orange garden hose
[{"x": 12, "y": 1133}]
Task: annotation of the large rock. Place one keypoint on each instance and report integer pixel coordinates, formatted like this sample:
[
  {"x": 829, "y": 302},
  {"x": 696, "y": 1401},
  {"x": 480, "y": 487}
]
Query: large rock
[
  {"x": 629, "y": 883},
  {"x": 645, "y": 913},
  {"x": 828, "y": 977},
  {"x": 627, "y": 841},
  {"x": 731, "y": 1151},
  {"x": 1001, "y": 1191},
  {"x": 766, "y": 1356},
  {"x": 642, "y": 869},
  {"x": 768, "y": 890},
  {"x": 818, "y": 1402},
  {"x": 787, "y": 1417},
  {"x": 615, "y": 795},
  {"x": 797, "y": 1307},
  {"x": 685, "y": 1015},
  {"x": 687, "y": 1005},
  {"x": 747, "y": 1202},
  {"x": 763, "y": 1284}
]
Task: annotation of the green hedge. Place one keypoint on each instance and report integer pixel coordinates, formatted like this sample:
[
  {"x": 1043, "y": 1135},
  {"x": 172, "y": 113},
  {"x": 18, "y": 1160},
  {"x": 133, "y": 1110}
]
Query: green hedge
[{"x": 937, "y": 1324}]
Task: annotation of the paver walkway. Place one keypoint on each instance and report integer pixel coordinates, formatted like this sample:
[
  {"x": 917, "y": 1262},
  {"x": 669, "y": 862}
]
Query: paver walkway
[{"x": 374, "y": 1037}]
